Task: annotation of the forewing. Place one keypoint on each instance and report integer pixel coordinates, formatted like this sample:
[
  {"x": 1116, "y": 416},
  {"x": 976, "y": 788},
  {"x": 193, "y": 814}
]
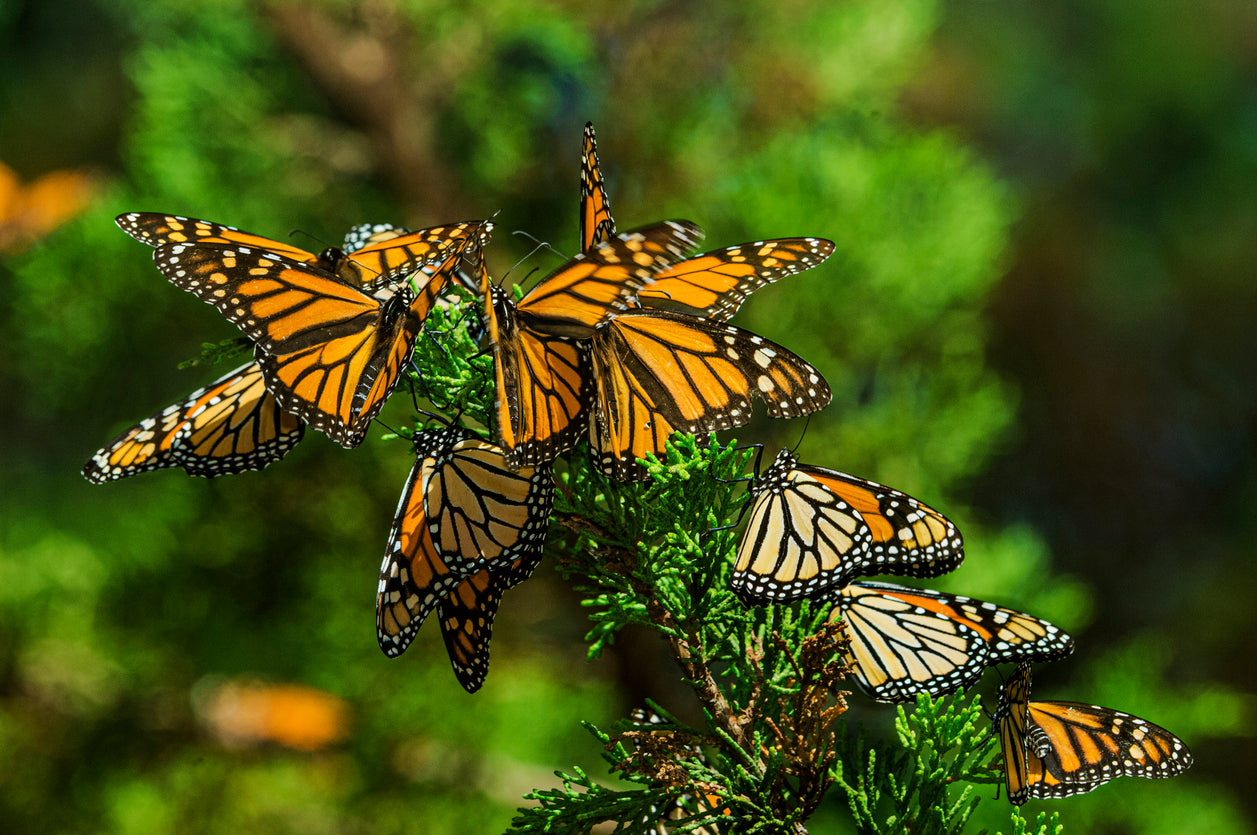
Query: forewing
[
  {"x": 157, "y": 229},
  {"x": 595, "y": 285},
  {"x": 596, "y": 224},
  {"x": 715, "y": 284}
]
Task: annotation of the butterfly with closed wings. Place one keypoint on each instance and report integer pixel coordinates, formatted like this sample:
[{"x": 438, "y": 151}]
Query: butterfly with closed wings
[
  {"x": 467, "y": 529},
  {"x": 906, "y": 641},
  {"x": 813, "y": 529}
]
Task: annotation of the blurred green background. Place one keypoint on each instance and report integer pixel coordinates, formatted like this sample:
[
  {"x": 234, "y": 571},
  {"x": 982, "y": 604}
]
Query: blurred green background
[{"x": 1040, "y": 317}]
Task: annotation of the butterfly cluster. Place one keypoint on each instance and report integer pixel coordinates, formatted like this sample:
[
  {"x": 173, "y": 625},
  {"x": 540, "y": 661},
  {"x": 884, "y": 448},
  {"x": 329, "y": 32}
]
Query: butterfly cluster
[{"x": 620, "y": 347}]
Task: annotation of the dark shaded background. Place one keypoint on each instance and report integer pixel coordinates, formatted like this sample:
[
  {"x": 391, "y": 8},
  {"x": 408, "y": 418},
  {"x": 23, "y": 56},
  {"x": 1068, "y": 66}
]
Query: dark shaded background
[{"x": 1039, "y": 316}]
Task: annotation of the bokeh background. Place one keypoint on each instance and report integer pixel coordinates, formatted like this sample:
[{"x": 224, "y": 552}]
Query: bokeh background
[{"x": 1040, "y": 317}]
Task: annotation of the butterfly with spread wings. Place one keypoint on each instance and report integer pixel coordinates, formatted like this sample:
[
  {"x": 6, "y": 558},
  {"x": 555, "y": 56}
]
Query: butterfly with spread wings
[
  {"x": 813, "y": 529},
  {"x": 906, "y": 641},
  {"x": 467, "y": 529},
  {"x": 1058, "y": 749},
  {"x": 712, "y": 285},
  {"x": 330, "y": 352},
  {"x": 676, "y": 368},
  {"x": 540, "y": 364},
  {"x": 230, "y": 426}
]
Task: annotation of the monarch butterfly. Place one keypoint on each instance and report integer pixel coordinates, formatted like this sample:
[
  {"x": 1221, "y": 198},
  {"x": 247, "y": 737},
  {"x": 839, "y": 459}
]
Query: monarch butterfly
[
  {"x": 541, "y": 373},
  {"x": 658, "y": 372},
  {"x": 814, "y": 529},
  {"x": 467, "y": 529},
  {"x": 231, "y": 425},
  {"x": 596, "y": 224},
  {"x": 1058, "y": 749},
  {"x": 330, "y": 352},
  {"x": 376, "y": 252},
  {"x": 906, "y": 641}
]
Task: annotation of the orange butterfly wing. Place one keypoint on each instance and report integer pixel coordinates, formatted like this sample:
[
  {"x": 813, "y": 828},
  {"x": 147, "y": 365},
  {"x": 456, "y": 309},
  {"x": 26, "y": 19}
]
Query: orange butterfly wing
[
  {"x": 659, "y": 372},
  {"x": 232, "y": 425},
  {"x": 467, "y": 613},
  {"x": 330, "y": 353},
  {"x": 595, "y": 285},
  {"x": 715, "y": 284},
  {"x": 542, "y": 386},
  {"x": 382, "y": 253},
  {"x": 596, "y": 224}
]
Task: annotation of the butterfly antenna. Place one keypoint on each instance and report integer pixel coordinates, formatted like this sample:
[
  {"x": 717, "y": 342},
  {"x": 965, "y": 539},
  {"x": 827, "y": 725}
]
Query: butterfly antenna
[
  {"x": 294, "y": 233},
  {"x": 391, "y": 429},
  {"x": 539, "y": 245},
  {"x": 806, "y": 422},
  {"x": 444, "y": 421}
]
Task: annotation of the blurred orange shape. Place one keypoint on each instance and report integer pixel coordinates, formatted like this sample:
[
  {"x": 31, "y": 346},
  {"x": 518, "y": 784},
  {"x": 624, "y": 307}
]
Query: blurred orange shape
[
  {"x": 292, "y": 715},
  {"x": 29, "y": 212}
]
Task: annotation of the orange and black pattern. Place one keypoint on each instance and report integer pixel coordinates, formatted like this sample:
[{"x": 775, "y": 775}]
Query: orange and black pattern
[
  {"x": 467, "y": 613},
  {"x": 232, "y": 425},
  {"x": 377, "y": 252},
  {"x": 596, "y": 224},
  {"x": 715, "y": 284},
  {"x": 540, "y": 367},
  {"x": 1058, "y": 749},
  {"x": 906, "y": 641},
  {"x": 659, "y": 372},
  {"x": 813, "y": 530},
  {"x": 467, "y": 528},
  {"x": 330, "y": 352}
]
